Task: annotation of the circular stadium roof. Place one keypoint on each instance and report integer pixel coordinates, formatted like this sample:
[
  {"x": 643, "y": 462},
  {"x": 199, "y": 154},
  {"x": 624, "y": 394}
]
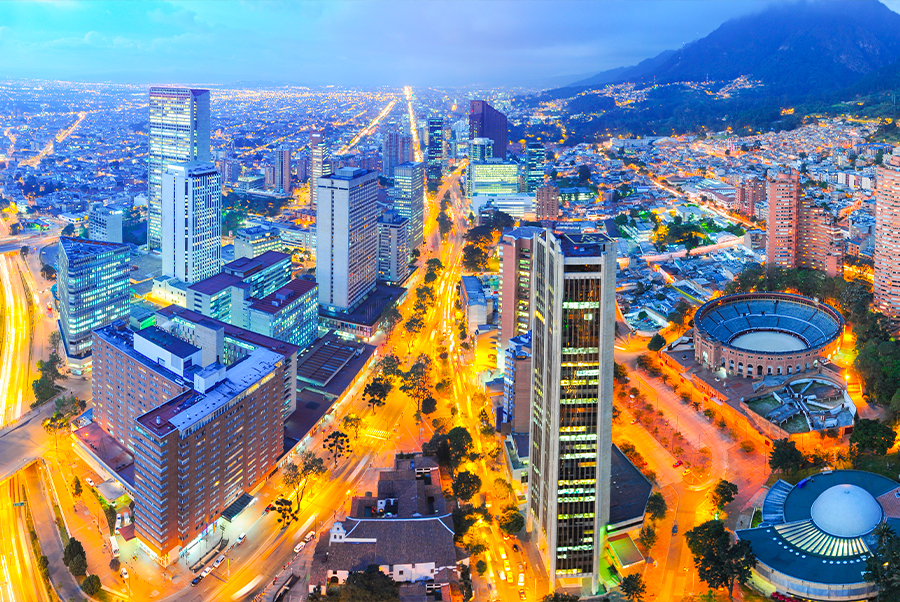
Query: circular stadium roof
[{"x": 846, "y": 511}]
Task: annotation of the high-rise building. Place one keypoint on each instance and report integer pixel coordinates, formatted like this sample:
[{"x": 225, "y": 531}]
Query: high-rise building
[
  {"x": 269, "y": 174},
  {"x": 747, "y": 194},
  {"x": 289, "y": 314},
  {"x": 887, "y": 236},
  {"x": 409, "y": 200},
  {"x": 105, "y": 223},
  {"x": 801, "y": 231},
  {"x": 203, "y": 431},
  {"x": 573, "y": 303},
  {"x": 783, "y": 197},
  {"x": 487, "y": 122},
  {"x": 283, "y": 169},
  {"x": 480, "y": 150},
  {"x": 535, "y": 155},
  {"x": 546, "y": 206},
  {"x": 393, "y": 248},
  {"x": 320, "y": 165},
  {"x": 179, "y": 132},
  {"x": 517, "y": 384},
  {"x": 254, "y": 241},
  {"x": 515, "y": 250},
  {"x": 191, "y": 221},
  {"x": 94, "y": 290},
  {"x": 397, "y": 149},
  {"x": 494, "y": 176},
  {"x": 303, "y": 168},
  {"x": 346, "y": 238},
  {"x": 435, "y": 153}
]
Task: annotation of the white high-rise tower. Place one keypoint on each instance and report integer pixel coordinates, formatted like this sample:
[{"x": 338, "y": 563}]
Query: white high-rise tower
[{"x": 191, "y": 221}]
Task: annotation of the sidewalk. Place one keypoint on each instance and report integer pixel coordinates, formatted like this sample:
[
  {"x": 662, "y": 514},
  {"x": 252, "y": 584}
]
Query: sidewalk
[{"x": 45, "y": 526}]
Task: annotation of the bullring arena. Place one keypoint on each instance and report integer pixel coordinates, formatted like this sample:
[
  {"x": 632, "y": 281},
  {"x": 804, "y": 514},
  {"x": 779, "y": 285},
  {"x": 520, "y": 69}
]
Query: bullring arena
[{"x": 757, "y": 334}]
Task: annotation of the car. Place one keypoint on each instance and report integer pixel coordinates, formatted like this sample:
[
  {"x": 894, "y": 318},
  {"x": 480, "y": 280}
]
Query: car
[
  {"x": 89, "y": 481},
  {"x": 269, "y": 508},
  {"x": 219, "y": 561},
  {"x": 502, "y": 576},
  {"x": 506, "y": 566},
  {"x": 634, "y": 421},
  {"x": 685, "y": 472},
  {"x": 124, "y": 573},
  {"x": 118, "y": 522},
  {"x": 196, "y": 580},
  {"x": 299, "y": 547},
  {"x": 521, "y": 594},
  {"x": 502, "y": 553},
  {"x": 206, "y": 571},
  {"x": 677, "y": 464},
  {"x": 309, "y": 536},
  {"x": 521, "y": 579},
  {"x": 521, "y": 567},
  {"x": 241, "y": 538},
  {"x": 516, "y": 547},
  {"x": 509, "y": 577},
  {"x": 674, "y": 528}
]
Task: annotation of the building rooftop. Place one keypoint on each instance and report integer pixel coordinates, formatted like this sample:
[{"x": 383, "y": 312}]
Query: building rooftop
[
  {"x": 82, "y": 248},
  {"x": 245, "y": 266},
  {"x": 273, "y": 302},
  {"x": 629, "y": 490},
  {"x": 170, "y": 343},
  {"x": 326, "y": 358},
  {"x": 215, "y": 284},
  {"x": 584, "y": 245}
]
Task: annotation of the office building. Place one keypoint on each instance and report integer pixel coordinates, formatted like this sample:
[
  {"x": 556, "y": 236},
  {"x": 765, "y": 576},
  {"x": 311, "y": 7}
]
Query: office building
[
  {"x": 397, "y": 149},
  {"x": 202, "y": 433},
  {"x": 480, "y": 150},
  {"x": 228, "y": 295},
  {"x": 269, "y": 175},
  {"x": 409, "y": 200},
  {"x": 191, "y": 221},
  {"x": 105, "y": 223},
  {"x": 515, "y": 250},
  {"x": 283, "y": 169},
  {"x": 573, "y": 303},
  {"x": 546, "y": 202},
  {"x": 303, "y": 168},
  {"x": 800, "y": 231},
  {"x": 289, "y": 314},
  {"x": 254, "y": 241},
  {"x": 887, "y": 236},
  {"x": 518, "y": 206},
  {"x": 347, "y": 238},
  {"x": 494, "y": 176},
  {"x": 748, "y": 193},
  {"x": 393, "y": 248},
  {"x": 517, "y": 384},
  {"x": 320, "y": 165},
  {"x": 535, "y": 155},
  {"x": 435, "y": 152},
  {"x": 487, "y": 122},
  {"x": 179, "y": 133},
  {"x": 94, "y": 290}
]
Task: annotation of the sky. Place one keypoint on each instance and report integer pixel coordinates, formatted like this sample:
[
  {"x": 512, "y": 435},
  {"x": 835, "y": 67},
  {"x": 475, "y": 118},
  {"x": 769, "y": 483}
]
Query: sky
[{"x": 348, "y": 43}]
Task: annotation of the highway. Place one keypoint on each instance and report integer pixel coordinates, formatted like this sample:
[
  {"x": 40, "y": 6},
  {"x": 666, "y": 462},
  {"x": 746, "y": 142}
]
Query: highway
[
  {"x": 412, "y": 124},
  {"x": 21, "y": 580}
]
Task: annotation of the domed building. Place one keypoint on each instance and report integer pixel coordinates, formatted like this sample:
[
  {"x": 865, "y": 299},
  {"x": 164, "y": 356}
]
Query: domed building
[{"x": 815, "y": 536}]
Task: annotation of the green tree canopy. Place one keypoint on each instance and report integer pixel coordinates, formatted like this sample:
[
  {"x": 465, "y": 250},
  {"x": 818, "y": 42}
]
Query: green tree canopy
[
  {"x": 511, "y": 521},
  {"x": 785, "y": 456},
  {"x": 656, "y": 343},
  {"x": 370, "y": 585},
  {"x": 719, "y": 562},
  {"x": 466, "y": 485},
  {"x": 633, "y": 587},
  {"x": 873, "y": 435},
  {"x": 724, "y": 493},
  {"x": 656, "y": 506}
]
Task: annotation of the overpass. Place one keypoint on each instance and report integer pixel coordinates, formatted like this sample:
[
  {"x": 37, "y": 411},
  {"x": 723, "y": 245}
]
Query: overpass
[{"x": 24, "y": 441}]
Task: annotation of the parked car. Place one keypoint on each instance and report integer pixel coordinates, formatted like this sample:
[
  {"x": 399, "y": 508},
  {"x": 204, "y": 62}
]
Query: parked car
[
  {"x": 124, "y": 573},
  {"x": 196, "y": 580},
  {"x": 118, "y": 522},
  {"x": 89, "y": 481},
  {"x": 219, "y": 561},
  {"x": 521, "y": 594},
  {"x": 521, "y": 579},
  {"x": 299, "y": 547},
  {"x": 206, "y": 571},
  {"x": 309, "y": 536},
  {"x": 241, "y": 538},
  {"x": 677, "y": 464}
]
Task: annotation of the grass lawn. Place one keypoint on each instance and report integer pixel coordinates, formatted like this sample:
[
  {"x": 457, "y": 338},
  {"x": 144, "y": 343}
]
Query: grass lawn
[
  {"x": 757, "y": 518},
  {"x": 888, "y": 466},
  {"x": 763, "y": 406}
]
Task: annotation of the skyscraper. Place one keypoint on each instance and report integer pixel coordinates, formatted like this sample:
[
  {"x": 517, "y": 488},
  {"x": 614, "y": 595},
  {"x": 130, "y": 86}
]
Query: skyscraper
[
  {"x": 409, "y": 200},
  {"x": 887, "y": 236},
  {"x": 320, "y": 165},
  {"x": 515, "y": 250},
  {"x": 179, "y": 132},
  {"x": 347, "y": 237},
  {"x": 487, "y": 122},
  {"x": 191, "y": 221},
  {"x": 397, "y": 149},
  {"x": 535, "y": 155},
  {"x": 546, "y": 205},
  {"x": 573, "y": 303},
  {"x": 283, "y": 169},
  {"x": 393, "y": 248},
  {"x": 480, "y": 150},
  {"x": 784, "y": 205},
  {"x": 93, "y": 289},
  {"x": 435, "y": 155}
]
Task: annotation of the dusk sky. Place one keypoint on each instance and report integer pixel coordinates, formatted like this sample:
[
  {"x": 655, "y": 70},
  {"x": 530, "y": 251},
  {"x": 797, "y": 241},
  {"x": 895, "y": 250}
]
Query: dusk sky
[{"x": 424, "y": 43}]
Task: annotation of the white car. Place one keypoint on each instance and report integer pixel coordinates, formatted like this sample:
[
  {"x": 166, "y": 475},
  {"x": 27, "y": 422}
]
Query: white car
[
  {"x": 219, "y": 561},
  {"x": 206, "y": 571},
  {"x": 89, "y": 481},
  {"x": 241, "y": 538},
  {"x": 124, "y": 573},
  {"x": 118, "y": 522},
  {"x": 502, "y": 576},
  {"x": 521, "y": 579},
  {"x": 309, "y": 536},
  {"x": 299, "y": 547}
]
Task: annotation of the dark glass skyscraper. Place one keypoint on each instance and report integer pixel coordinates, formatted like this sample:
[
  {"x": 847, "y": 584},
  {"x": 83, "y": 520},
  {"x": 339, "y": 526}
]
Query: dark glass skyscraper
[
  {"x": 435, "y": 156},
  {"x": 535, "y": 155},
  {"x": 487, "y": 122}
]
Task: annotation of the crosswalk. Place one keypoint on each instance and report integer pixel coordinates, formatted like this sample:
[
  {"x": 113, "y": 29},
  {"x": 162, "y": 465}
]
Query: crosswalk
[{"x": 377, "y": 433}]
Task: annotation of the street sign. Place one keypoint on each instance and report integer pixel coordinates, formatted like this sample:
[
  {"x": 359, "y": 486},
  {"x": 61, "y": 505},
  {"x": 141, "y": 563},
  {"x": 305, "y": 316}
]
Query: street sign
[{"x": 18, "y": 503}]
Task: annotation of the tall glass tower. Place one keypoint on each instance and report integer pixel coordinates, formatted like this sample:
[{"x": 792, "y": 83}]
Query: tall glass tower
[
  {"x": 573, "y": 303},
  {"x": 179, "y": 132},
  {"x": 409, "y": 200}
]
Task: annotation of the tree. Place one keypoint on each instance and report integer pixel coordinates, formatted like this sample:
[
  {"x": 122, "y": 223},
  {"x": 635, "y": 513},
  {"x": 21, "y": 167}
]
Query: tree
[
  {"x": 466, "y": 485},
  {"x": 656, "y": 506},
  {"x": 429, "y": 405},
  {"x": 78, "y": 565},
  {"x": 91, "y": 585},
  {"x": 633, "y": 587},
  {"x": 647, "y": 536},
  {"x": 309, "y": 468},
  {"x": 560, "y": 597},
  {"x": 724, "y": 493},
  {"x": 286, "y": 512},
  {"x": 413, "y": 326},
  {"x": 73, "y": 548},
  {"x": 584, "y": 173},
  {"x": 69, "y": 230},
  {"x": 434, "y": 265},
  {"x": 481, "y": 567},
  {"x": 502, "y": 490},
  {"x": 511, "y": 521},
  {"x": 392, "y": 317},
  {"x": 873, "y": 435},
  {"x": 24, "y": 251},
  {"x": 54, "y": 424},
  {"x": 425, "y": 294},
  {"x": 370, "y": 585},
  {"x": 416, "y": 382},
  {"x": 620, "y": 372},
  {"x": 785, "y": 456},
  {"x": 337, "y": 444},
  {"x": 883, "y": 565},
  {"x": 352, "y": 422},
  {"x": 54, "y": 339},
  {"x": 389, "y": 367},
  {"x": 48, "y": 272},
  {"x": 657, "y": 342},
  {"x": 376, "y": 392},
  {"x": 719, "y": 562},
  {"x": 76, "y": 486},
  {"x": 429, "y": 277}
]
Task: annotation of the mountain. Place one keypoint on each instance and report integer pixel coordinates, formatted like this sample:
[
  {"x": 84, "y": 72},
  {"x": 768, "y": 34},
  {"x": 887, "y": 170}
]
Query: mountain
[{"x": 795, "y": 48}]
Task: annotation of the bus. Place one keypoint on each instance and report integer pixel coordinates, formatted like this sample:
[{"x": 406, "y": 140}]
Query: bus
[{"x": 114, "y": 546}]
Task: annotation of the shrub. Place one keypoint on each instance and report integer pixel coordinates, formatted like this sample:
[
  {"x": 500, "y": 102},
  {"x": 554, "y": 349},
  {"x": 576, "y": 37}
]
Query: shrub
[{"x": 91, "y": 585}]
